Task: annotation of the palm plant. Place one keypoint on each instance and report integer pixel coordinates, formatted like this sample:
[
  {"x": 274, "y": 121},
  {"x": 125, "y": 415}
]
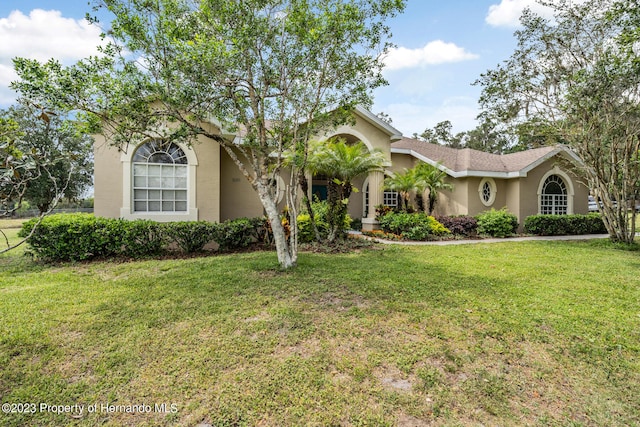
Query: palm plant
[
  {"x": 341, "y": 163},
  {"x": 432, "y": 179},
  {"x": 404, "y": 183}
]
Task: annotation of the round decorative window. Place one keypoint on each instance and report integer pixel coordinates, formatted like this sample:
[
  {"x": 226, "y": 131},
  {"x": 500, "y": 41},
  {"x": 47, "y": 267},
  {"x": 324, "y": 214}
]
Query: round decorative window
[{"x": 487, "y": 191}]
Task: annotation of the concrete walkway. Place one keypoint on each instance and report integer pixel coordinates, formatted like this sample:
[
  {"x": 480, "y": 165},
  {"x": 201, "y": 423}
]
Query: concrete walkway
[{"x": 472, "y": 241}]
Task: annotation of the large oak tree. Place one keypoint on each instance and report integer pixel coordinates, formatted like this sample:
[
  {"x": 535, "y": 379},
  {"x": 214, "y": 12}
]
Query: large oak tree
[
  {"x": 275, "y": 71},
  {"x": 575, "y": 78}
]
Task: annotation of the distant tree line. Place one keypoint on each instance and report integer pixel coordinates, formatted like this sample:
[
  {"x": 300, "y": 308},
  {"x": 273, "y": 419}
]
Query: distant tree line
[{"x": 489, "y": 136}]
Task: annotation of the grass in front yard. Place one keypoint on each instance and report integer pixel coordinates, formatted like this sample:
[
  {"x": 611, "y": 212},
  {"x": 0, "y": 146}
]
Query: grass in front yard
[
  {"x": 496, "y": 334},
  {"x": 6, "y": 223}
]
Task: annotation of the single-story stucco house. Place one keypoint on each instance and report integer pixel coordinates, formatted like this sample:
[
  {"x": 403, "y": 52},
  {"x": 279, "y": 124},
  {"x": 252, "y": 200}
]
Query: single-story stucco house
[{"x": 178, "y": 182}]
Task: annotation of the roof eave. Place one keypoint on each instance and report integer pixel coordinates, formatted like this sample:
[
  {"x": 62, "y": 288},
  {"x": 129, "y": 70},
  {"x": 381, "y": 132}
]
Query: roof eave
[
  {"x": 521, "y": 173},
  {"x": 459, "y": 174},
  {"x": 394, "y": 134},
  {"x": 559, "y": 149},
  {"x": 425, "y": 159}
]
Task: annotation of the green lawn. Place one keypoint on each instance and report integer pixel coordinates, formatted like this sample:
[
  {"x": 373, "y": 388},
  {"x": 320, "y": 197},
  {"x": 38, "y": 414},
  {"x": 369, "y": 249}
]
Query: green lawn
[{"x": 532, "y": 333}]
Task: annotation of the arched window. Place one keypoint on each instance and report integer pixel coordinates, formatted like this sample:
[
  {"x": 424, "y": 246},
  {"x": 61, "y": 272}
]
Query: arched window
[
  {"x": 159, "y": 177},
  {"x": 553, "y": 197}
]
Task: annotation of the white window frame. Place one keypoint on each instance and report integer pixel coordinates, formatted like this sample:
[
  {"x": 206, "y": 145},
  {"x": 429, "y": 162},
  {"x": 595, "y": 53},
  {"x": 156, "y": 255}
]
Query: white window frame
[
  {"x": 127, "y": 210},
  {"x": 568, "y": 185},
  {"x": 390, "y": 198},
  {"x": 493, "y": 190},
  {"x": 365, "y": 198},
  {"x": 385, "y": 195}
]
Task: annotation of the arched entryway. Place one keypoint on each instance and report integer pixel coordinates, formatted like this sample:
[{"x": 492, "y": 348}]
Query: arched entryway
[{"x": 318, "y": 187}]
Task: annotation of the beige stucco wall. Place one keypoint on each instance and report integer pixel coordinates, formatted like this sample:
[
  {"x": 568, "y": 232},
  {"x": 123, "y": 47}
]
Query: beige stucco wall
[
  {"x": 581, "y": 199},
  {"x": 400, "y": 162},
  {"x": 512, "y": 198},
  {"x": 356, "y": 200},
  {"x": 364, "y": 131},
  {"x": 208, "y": 180},
  {"x": 453, "y": 202},
  {"x": 529, "y": 190},
  {"x": 107, "y": 179},
  {"x": 238, "y": 198}
]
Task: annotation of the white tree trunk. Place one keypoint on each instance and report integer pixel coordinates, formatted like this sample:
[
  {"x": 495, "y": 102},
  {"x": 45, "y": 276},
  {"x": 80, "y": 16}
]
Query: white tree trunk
[{"x": 283, "y": 250}]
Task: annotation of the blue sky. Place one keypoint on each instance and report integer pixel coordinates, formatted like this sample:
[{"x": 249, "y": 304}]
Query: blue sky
[{"x": 443, "y": 46}]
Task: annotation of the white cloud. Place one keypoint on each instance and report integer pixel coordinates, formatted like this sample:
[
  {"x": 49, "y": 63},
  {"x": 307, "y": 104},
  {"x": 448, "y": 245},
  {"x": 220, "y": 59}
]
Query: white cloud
[
  {"x": 7, "y": 75},
  {"x": 42, "y": 35},
  {"x": 433, "y": 53},
  {"x": 507, "y": 13}
]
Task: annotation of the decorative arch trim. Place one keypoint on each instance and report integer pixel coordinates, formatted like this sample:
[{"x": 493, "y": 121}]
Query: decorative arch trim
[
  {"x": 568, "y": 182},
  {"x": 192, "y": 159},
  {"x": 127, "y": 209},
  {"x": 352, "y": 132}
]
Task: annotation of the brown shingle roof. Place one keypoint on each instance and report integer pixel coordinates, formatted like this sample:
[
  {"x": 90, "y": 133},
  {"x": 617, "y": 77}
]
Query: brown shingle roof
[{"x": 466, "y": 159}]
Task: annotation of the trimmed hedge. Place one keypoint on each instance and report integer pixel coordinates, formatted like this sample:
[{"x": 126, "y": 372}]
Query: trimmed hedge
[
  {"x": 191, "y": 236},
  {"x": 235, "y": 234},
  {"x": 495, "y": 223},
  {"x": 78, "y": 237},
  {"x": 74, "y": 237},
  {"x": 561, "y": 225},
  {"x": 412, "y": 226}
]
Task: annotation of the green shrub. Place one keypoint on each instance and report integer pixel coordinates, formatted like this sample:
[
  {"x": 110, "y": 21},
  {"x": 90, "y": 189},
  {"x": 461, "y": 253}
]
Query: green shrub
[
  {"x": 79, "y": 236},
  {"x": 260, "y": 229},
  {"x": 191, "y": 236},
  {"x": 558, "y": 225},
  {"x": 73, "y": 237},
  {"x": 235, "y": 234},
  {"x": 382, "y": 210},
  {"x": 305, "y": 229},
  {"x": 143, "y": 237},
  {"x": 413, "y": 226},
  {"x": 320, "y": 211},
  {"x": 461, "y": 225},
  {"x": 495, "y": 223}
]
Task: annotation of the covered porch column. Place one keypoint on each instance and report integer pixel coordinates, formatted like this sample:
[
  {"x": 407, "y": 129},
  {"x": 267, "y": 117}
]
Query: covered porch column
[{"x": 376, "y": 192}]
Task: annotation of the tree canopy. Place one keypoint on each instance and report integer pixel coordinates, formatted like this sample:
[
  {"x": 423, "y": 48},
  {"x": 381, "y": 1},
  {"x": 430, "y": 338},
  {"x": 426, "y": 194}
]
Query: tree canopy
[
  {"x": 61, "y": 155},
  {"x": 274, "y": 71},
  {"x": 487, "y": 137},
  {"x": 17, "y": 168},
  {"x": 575, "y": 78}
]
